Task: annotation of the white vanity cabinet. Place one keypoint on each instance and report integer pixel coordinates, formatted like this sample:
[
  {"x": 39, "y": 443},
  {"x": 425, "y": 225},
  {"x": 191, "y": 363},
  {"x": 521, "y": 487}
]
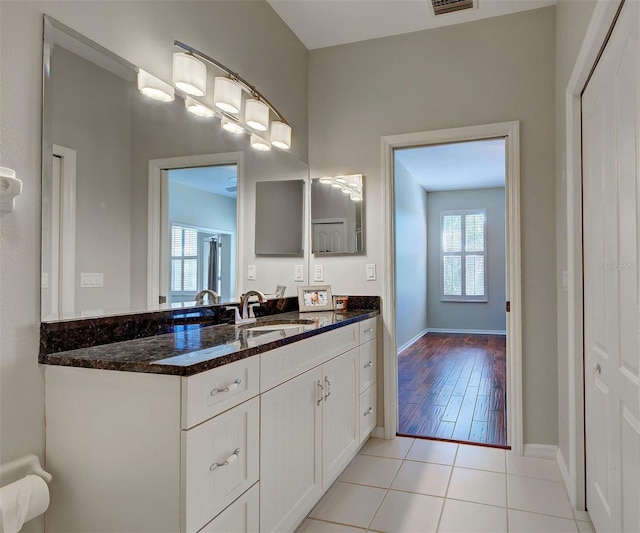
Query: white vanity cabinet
[{"x": 309, "y": 424}]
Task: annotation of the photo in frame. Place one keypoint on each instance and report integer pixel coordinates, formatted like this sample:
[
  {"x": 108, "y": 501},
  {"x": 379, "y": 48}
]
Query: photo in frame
[{"x": 315, "y": 298}]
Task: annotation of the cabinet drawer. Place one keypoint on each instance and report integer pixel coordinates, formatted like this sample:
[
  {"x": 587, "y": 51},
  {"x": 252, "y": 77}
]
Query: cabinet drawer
[
  {"x": 367, "y": 330},
  {"x": 242, "y": 516},
  {"x": 210, "y": 393},
  {"x": 368, "y": 412},
  {"x": 282, "y": 364},
  {"x": 220, "y": 460},
  {"x": 367, "y": 365}
]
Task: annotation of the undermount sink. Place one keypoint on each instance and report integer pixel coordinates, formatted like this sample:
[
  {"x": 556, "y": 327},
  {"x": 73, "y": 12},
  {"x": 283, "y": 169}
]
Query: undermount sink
[{"x": 278, "y": 325}]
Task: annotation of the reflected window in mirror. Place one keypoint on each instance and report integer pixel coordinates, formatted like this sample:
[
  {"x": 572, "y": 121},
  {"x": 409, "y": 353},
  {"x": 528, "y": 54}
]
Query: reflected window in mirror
[{"x": 337, "y": 215}]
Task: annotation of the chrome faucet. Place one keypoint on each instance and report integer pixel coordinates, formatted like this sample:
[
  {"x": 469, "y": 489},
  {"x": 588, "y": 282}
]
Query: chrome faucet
[
  {"x": 213, "y": 296},
  {"x": 244, "y": 305}
]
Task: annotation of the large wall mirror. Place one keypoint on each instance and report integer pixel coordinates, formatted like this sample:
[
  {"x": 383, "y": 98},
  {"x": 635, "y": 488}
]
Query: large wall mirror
[
  {"x": 143, "y": 203},
  {"x": 337, "y": 215}
]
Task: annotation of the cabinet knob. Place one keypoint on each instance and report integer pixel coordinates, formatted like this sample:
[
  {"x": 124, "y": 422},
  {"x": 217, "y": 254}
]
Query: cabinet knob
[
  {"x": 230, "y": 387},
  {"x": 368, "y": 330},
  {"x": 597, "y": 368},
  {"x": 368, "y": 411},
  {"x": 231, "y": 459},
  {"x": 370, "y": 363}
]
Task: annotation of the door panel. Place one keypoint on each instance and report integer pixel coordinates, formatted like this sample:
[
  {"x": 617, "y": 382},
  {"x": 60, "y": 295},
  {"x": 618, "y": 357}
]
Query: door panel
[{"x": 611, "y": 120}]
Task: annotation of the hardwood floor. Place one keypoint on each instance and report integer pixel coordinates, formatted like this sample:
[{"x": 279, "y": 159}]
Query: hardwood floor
[{"x": 452, "y": 386}]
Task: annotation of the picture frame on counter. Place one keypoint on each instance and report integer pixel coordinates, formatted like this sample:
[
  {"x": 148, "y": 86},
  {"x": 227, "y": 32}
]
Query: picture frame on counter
[{"x": 315, "y": 298}]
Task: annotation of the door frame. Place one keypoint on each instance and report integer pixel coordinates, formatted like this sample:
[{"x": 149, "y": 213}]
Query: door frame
[
  {"x": 158, "y": 215},
  {"x": 573, "y": 471},
  {"x": 510, "y": 131}
]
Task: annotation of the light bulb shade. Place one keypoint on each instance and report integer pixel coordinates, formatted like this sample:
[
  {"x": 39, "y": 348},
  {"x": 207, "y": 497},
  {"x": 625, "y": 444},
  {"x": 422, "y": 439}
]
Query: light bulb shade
[
  {"x": 260, "y": 144},
  {"x": 327, "y": 180},
  {"x": 341, "y": 179},
  {"x": 154, "y": 87},
  {"x": 356, "y": 197},
  {"x": 198, "y": 109},
  {"x": 256, "y": 115},
  {"x": 231, "y": 126},
  {"x": 227, "y": 95},
  {"x": 189, "y": 74},
  {"x": 280, "y": 135}
]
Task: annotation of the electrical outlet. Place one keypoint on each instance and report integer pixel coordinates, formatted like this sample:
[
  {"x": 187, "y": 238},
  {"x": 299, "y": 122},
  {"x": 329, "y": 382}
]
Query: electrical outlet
[
  {"x": 371, "y": 272},
  {"x": 298, "y": 273},
  {"x": 251, "y": 272},
  {"x": 91, "y": 279},
  {"x": 318, "y": 272}
]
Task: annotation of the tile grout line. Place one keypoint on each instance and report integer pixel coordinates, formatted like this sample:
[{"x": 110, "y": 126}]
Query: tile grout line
[{"x": 446, "y": 492}]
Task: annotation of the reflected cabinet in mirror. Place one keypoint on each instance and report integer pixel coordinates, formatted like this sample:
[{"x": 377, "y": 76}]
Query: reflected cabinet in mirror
[
  {"x": 337, "y": 215},
  {"x": 143, "y": 203},
  {"x": 280, "y": 218}
]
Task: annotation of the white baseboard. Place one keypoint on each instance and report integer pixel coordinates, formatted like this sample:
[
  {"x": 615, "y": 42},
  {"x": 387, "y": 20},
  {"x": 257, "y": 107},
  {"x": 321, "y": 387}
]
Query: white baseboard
[
  {"x": 564, "y": 472},
  {"x": 541, "y": 451},
  {"x": 378, "y": 432},
  {"x": 412, "y": 340},
  {"x": 468, "y": 331}
]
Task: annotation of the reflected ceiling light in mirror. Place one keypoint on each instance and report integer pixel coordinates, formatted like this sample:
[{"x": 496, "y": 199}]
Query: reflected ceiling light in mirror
[
  {"x": 231, "y": 126},
  {"x": 227, "y": 98},
  {"x": 189, "y": 74},
  {"x": 198, "y": 109},
  {"x": 256, "y": 114},
  {"x": 154, "y": 87},
  {"x": 327, "y": 180},
  {"x": 227, "y": 95},
  {"x": 260, "y": 144},
  {"x": 280, "y": 135},
  {"x": 356, "y": 197}
]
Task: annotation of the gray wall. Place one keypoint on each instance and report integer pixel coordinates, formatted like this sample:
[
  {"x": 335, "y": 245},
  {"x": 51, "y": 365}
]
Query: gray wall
[
  {"x": 196, "y": 207},
  {"x": 411, "y": 256},
  {"x": 143, "y": 33},
  {"x": 572, "y": 19},
  {"x": 488, "y": 71},
  {"x": 87, "y": 94},
  {"x": 490, "y": 315}
]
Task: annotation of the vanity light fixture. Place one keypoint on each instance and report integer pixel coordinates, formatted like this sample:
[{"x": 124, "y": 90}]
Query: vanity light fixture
[
  {"x": 260, "y": 144},
  {"x": 231, "y": 126},
  {"x": 256, "y": 114},
  {"x": 154, "y": 87},
  {"x": 195, "y": 107},
  {"x": 227, "y": 98},
  {"x": 189, "y": 74}
]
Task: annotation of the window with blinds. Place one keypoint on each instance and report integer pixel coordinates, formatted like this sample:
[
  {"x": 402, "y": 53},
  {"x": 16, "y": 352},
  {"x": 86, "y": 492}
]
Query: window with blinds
[
  {"x": 184, "y": 259},
  {"x": 463, "y": 273}
]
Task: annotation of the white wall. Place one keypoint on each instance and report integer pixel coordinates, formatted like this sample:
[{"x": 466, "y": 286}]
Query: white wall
[
  {"x": 489, "y": 71},
  {"x": 411, "y": 256},
  {"x": 572, "y": 19},
  {"x": 265, "y": 51},
  {"x": 489, "y": 315},
  {"x": 195, "y": 207}
]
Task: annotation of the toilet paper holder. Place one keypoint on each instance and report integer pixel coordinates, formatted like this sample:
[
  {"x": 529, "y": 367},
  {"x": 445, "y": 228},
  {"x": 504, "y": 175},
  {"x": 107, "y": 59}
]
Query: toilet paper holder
[{"x": 21, "y": 467}]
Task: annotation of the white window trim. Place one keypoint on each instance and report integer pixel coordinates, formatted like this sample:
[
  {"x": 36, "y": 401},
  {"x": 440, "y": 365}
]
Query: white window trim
[{"x": 464, "y": 297}]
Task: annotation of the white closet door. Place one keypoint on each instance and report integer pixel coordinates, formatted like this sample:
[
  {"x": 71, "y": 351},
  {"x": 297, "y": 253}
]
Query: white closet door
[{"x": 610, "y": 115}]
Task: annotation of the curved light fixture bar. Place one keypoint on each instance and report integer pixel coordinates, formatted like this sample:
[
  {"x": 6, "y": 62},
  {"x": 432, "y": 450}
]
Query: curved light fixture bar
[{"x": 246, "y": 86}]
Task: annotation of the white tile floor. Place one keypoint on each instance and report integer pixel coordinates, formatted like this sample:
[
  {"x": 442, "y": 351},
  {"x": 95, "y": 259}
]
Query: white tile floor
[{"x": 418, "y": 486}]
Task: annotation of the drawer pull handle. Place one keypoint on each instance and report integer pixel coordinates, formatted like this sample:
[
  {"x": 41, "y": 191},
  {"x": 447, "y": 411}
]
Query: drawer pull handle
[
  {"x": 230, "y": 387},
  {"x": 321, "y": 393},
  {"x": 326, "y": 380},
  {"x": 368, "y": 330},
  {"x": 370, "y": 363},
  {"x": 231, "y": 459},
  {"x": 368, "y": 411}
]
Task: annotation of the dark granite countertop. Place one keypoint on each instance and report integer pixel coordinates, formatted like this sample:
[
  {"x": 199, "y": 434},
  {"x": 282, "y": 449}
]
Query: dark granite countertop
[{"x": 191, "y": 349}]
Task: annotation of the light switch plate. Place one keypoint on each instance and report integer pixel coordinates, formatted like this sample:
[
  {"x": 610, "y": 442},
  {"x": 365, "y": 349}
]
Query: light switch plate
[
  {"x": 91, "y": 279},
  {"x": 318, "y": 272},
  {"x": 298, "y": 273},
  {"x": 371, "y": 272},
  {"x": 251, "y": 272}
]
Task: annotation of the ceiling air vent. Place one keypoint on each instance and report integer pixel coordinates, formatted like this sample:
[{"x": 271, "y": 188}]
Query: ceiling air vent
[{"x": 440, "y": 7}]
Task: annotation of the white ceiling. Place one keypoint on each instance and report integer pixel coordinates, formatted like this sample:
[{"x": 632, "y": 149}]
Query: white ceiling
[
  {"x": 321, "y": 23},
  {"x": 449, "y": 167},
  {"x": 210, "y": 179}
]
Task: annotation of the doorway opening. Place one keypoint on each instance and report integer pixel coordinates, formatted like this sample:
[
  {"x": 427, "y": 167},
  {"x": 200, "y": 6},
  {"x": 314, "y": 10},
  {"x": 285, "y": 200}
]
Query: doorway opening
[{"x": 451, "y": 291}]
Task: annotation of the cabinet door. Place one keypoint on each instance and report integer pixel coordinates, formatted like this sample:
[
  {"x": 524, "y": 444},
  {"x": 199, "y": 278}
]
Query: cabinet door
[
  {"x": 290, "y": 451},
  {"x": 242, "y": 516},
  {"x": 340, "y": 420}
]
